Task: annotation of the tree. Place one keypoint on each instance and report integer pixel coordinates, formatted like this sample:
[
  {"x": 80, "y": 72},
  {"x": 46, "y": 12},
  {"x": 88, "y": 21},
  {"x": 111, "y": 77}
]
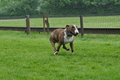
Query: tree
[
  {"x": 20, "y": 7},
  {"x": 76, "y": 7},
  {"x": 61, "y": 6},
  {"x": 58, "y": 7}
]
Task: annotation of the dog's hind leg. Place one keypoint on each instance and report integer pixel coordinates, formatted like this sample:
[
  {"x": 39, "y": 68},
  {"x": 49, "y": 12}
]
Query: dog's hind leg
[
  {"x": 64, "y": 47},
  {"x": 58, "y": 48},
  {"x": 53, "y": 44},
  {"x": 55, "y": 51}
]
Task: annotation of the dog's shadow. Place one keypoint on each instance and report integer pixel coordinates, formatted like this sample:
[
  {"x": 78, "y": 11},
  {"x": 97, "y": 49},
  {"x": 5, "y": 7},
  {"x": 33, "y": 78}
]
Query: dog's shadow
[{"x": 64, "y": 53}]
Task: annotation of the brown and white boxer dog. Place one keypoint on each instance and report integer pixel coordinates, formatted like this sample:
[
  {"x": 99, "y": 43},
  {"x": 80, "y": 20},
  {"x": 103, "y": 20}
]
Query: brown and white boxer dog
[{"x": 64, "y": 36}]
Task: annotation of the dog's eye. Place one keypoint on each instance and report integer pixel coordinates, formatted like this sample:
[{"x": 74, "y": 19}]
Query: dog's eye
[{"x": 72, "y": 27}]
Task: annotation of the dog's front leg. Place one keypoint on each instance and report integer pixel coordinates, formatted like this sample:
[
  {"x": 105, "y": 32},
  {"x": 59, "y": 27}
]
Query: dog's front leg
[
  {"x": 64, "y": 47},
  {"x": 58, "y": 48},
  {"x": 71, "y": 46}
]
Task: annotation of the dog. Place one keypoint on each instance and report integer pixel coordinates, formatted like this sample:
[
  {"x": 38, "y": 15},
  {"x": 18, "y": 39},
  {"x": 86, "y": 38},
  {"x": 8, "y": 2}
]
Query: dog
[{"x": 62, "y": 37}]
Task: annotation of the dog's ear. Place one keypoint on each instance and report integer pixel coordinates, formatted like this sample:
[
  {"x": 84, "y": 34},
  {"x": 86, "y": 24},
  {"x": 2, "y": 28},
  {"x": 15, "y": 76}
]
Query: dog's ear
[{"x": 67, "y": 26}]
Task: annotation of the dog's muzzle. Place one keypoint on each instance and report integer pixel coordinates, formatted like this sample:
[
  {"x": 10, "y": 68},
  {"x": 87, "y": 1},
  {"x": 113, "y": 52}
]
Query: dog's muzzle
[{"x": 75, "y": 34}]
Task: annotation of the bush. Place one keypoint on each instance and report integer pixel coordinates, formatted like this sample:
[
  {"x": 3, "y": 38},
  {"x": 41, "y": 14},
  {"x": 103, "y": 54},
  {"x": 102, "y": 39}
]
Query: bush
[{"x": 19, "y": 8}]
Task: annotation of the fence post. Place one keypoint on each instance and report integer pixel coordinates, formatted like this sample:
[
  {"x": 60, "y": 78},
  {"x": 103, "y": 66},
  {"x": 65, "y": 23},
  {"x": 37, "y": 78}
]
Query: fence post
[
  {"x": 27, "y": 25},
  {"x": 44, "y": 23},
  {"x": 81, "y": 26},
  {"x": 47, "y": 23}
]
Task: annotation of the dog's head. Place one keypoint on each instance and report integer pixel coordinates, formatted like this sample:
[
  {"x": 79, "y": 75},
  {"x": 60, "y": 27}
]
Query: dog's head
[{"x": 72, "y": 30}]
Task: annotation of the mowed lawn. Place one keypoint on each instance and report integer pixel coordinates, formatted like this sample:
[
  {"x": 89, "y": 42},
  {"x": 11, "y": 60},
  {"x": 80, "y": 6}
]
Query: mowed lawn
[
  {"x": 30, "y": 57},
  {"x": 61, "y": 22}
]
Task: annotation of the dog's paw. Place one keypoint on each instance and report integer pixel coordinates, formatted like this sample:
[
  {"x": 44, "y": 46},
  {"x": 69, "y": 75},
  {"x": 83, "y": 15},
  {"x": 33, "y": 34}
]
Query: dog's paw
[
  {"x": 71, "y": 52},
  {"x": 67, "y": 49},
  {"x": 56, "y": 52}
]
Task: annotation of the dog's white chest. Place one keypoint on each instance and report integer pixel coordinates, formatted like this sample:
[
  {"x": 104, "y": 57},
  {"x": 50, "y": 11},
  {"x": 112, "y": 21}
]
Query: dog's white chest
[{"x": 68, "y": 39}]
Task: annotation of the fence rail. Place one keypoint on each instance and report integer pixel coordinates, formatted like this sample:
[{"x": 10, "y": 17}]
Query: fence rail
[{"x": 86, "y": 30}]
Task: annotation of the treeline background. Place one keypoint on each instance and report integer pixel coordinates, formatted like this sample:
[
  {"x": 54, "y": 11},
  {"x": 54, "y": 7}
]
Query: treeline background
[{"x": 58, "y": 7}]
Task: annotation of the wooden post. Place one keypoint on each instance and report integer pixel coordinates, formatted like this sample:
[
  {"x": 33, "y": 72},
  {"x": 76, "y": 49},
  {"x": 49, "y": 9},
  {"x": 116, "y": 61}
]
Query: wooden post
[
  {"x": 81, "y": 26},
  {"x": 47, "y": 23},
  {"x": 27, "y": 25},
  {"x": 44, "y": 23}
]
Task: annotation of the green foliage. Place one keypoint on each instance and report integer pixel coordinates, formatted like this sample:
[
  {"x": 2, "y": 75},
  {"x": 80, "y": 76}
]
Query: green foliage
[
  {"x": 72, "y": 7},
  {"x": 58, "y": 7},
  {"x": 22, "y": 7},
  {"x": 61, "y": 7}
]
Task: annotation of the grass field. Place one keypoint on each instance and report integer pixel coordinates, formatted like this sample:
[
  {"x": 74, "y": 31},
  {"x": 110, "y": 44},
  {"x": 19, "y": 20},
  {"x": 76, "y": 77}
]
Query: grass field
[
  {"x": 30, "y": 57},
  {"x": 89, "y": 22}
]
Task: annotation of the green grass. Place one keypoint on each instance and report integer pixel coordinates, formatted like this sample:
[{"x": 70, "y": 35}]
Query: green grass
[
  {"x": 102, "y": 22},
  {"x": 30, "y": 57},
  {"x": 89, "y": 22},
  {"x": 13, "y": 22}
]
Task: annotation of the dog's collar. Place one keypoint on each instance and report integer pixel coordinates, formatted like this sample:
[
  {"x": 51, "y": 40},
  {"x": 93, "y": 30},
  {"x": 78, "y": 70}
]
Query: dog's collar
[{"x": 69, "y": 35}]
